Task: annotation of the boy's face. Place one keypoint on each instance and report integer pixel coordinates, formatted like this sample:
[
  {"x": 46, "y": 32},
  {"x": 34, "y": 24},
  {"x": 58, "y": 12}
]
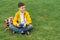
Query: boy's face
[{"x": 22, "y": 8}]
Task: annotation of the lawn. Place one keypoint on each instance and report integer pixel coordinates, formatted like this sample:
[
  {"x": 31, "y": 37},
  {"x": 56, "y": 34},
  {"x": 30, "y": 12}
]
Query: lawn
[{"x": 45, "y": 15}]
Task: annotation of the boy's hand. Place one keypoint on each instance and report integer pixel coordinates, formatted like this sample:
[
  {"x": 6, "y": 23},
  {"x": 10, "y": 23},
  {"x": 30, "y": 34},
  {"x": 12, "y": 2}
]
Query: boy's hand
[
  {"x": 24, "y": 25},
  {"x": 18, "y": 25}
]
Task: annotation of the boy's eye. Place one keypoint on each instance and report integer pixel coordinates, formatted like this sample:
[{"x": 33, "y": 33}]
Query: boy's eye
[{"x": 22, "y": 8}]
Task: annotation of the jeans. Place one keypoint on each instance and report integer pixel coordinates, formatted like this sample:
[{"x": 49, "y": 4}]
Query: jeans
[{"x": 21, "y": 30}]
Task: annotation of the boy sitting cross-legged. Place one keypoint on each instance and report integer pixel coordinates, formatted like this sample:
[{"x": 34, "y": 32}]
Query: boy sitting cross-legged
[{"x": 22, "y": 21}]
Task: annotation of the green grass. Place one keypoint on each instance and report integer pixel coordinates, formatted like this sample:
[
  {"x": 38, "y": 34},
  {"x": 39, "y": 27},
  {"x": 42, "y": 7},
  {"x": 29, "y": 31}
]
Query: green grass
[{"x": 45, "y": 15}]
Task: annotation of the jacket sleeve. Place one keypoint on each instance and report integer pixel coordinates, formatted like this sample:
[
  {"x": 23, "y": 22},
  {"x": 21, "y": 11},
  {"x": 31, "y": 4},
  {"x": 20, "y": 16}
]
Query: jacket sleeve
[
  {"x": 15, "y": 19},
  {"x": 28, "y": 18}
]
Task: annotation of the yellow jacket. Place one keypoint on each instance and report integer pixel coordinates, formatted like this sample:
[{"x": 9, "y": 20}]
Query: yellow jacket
[{"x": 16, "y": 19}]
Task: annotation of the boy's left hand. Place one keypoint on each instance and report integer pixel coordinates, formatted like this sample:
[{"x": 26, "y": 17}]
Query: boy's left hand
[{"x": 24, "y": 25}]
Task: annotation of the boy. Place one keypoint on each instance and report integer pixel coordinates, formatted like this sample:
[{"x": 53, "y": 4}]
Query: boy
[{"x": 22, "y": 21}]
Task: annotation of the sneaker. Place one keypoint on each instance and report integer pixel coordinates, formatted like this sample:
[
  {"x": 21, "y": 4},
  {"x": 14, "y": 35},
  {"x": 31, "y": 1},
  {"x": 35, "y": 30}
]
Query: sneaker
[
  {"x": 14, "y": 32},
  {"x": 22, "y": 32},
  {"x": 27, "y": 32}
]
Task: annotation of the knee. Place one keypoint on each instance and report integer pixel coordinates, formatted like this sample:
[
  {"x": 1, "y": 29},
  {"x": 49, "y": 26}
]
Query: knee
[
  {"x": 30, "y": 26},
  {"x": 11, "y": 27}
]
